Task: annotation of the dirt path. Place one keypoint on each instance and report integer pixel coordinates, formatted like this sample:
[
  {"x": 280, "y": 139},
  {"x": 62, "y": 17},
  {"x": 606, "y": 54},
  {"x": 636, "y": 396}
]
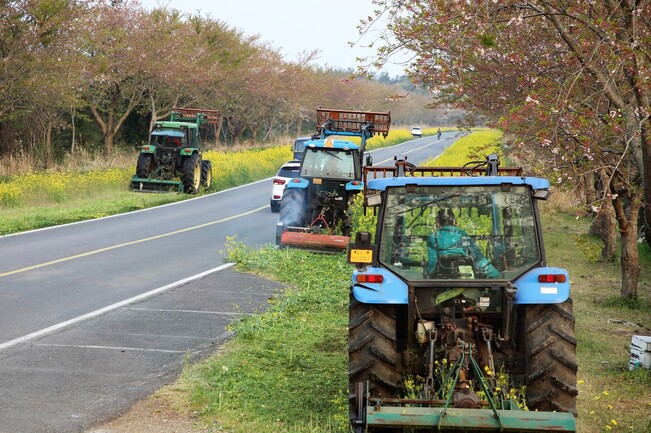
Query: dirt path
[{"x": 153, "y": 415}]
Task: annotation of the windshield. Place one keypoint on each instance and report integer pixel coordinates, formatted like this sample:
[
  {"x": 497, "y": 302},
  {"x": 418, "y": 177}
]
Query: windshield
[
  {"x": 469, "y": 232},
  {"x": 167, "y": 138},
  {"x": 329, "y": 163}
]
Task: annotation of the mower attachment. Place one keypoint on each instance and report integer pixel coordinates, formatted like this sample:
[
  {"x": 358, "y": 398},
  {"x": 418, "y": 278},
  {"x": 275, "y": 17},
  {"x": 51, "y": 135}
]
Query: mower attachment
[
  {"x": 456, "y": 419},
  {"x": 141, "y": 184},
  {"x": 306, "y": 238}
]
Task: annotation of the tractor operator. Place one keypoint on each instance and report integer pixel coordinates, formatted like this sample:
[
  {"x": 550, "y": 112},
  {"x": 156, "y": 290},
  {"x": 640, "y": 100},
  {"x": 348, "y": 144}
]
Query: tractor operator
[{"x": 450, "y": 246}]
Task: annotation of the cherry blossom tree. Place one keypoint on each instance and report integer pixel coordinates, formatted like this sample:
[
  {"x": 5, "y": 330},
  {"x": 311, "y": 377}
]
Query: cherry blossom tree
[{"x": 569, "y": 81}]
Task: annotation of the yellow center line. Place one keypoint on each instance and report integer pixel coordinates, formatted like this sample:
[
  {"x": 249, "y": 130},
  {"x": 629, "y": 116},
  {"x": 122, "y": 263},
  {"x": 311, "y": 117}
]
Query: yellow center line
[{"x": 126, "y": 244}]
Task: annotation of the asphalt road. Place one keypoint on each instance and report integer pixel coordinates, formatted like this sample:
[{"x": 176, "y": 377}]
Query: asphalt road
[{"x": 96, "y": 315}]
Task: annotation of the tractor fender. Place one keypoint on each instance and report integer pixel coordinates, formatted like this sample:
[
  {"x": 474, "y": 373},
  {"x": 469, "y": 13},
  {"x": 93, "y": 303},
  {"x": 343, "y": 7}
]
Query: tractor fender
[
  {"x": 188, "y": 151},
  {"x": 298, "y": 183},
  {"x": 392, "y": 290},
  {"x": 530, "y": 290},
  {"x": 355, "y": 185},
  {"x": 148, "y": 148}
]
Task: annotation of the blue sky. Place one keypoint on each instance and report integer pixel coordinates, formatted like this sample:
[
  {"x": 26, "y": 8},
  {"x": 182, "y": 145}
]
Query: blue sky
[{"x": 294, "y": 26}]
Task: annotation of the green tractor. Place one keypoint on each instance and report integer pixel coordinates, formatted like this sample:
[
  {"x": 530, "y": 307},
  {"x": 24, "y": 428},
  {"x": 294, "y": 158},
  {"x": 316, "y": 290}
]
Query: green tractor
[
  {"x": 457, "y": 323},
  {"x": 172, "y": 158}
]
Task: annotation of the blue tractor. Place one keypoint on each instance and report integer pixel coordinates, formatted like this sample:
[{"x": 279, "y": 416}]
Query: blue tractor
[
  {"x": 314, "y": 207},
  {"x": 457, "y": 322}
]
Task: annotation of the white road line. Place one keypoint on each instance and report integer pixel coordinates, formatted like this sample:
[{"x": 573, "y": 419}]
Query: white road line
[
  {"x": 112, "y": 307},
  {"x": 165, "y": 310},
  {"x": 121, "y": 349},
  {"x": 126, "y": 244}
]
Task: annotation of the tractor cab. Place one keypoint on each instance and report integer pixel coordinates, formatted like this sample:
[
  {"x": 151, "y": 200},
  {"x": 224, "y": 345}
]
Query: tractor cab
[{"x": 330, "y": 160}]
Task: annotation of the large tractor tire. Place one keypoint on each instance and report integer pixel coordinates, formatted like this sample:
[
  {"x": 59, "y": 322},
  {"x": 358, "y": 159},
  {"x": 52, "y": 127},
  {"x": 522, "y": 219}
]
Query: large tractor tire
[
  {"x": 191, "y": 174},
  {"x": 551, "y": 357},
  {"x": 206, "y": 174},
  {"x": 292, "y": 208},
  {"x": 145, "y": 165},
  {"x": 372, "y": 355}
]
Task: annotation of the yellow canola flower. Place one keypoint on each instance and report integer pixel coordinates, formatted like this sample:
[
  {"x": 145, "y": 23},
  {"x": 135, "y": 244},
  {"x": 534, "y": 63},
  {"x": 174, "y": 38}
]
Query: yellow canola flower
[{"x": 613, "y": 422}]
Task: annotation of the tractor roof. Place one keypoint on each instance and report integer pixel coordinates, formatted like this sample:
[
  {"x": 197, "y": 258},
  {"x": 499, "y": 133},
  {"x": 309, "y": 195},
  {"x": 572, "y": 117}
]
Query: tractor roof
[
  {"x": 331, "y": 143},
  {"x": 382, "y": 184},
  {"x": 176, "y": 125}
]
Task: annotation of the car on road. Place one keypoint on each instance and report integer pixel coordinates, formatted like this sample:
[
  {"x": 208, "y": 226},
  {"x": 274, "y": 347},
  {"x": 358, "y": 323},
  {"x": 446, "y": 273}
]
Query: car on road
[
  {"x": 287, "y": 171},
  {"x": 417, "y": 131},
  {"x": 298, "y": 148}
]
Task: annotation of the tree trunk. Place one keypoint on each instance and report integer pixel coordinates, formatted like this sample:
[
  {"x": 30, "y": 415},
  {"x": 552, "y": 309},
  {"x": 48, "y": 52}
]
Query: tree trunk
[
  {"x": 603, "y": 223},
  {"x": 74, "y": 131},
  {"x": 48, "y": 144},
  {"x": 627, "y": 215}
]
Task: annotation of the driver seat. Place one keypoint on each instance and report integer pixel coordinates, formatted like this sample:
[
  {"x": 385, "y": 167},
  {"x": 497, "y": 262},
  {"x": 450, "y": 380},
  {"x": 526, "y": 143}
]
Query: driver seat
[{"x": 455, "y": 267}]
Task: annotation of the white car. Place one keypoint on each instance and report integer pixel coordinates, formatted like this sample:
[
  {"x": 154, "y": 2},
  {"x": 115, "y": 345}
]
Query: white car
[
  {"x": 288, "y": 171},
  {"x": 417, "y": 131}
]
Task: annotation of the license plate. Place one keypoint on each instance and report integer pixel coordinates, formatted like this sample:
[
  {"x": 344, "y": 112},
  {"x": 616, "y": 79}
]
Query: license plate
[{"x": 361, "y": 256}]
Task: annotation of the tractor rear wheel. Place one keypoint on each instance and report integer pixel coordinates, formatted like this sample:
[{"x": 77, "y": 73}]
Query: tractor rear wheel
[
  {"x": 372, "y": 354},
  {"x": 191, "y": 174},
  {"x": 292, "y": 208},
  {"x": 145, "y": 165},
  {"x": 206, "y": 174},
  {"x": 551, "y": 357}
]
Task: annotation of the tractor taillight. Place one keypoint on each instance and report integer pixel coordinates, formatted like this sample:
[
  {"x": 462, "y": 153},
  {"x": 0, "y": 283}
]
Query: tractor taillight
[
  {"x": 145, "y": 147},
  {"x": 355, "y": 182},
  {"x": 370, "y": 278},
  {"x": 552, "y": 278},
  {"x": 279, "y": 181}
]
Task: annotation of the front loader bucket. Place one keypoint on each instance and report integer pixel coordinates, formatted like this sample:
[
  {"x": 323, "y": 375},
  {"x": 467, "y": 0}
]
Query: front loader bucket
[
  {"x": 303, "y": 238},
  {"x": 436, "y": 419},
  {"x": 142, "y": 184}
]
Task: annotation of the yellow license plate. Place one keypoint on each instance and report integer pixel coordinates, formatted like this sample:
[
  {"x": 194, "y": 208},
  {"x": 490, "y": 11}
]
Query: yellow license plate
[{"x": 361, "y": 256}]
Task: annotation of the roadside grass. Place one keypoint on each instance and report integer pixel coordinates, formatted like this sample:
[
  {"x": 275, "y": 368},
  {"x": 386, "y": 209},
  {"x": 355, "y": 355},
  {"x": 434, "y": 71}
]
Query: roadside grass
[
  {"x": 611, "y": 398},
  {"x": 472, "y": 147},
  {"x": 285, "y": 369},
  {"x": 102, "y": 204},
  {"x": 91, "y": 187}
]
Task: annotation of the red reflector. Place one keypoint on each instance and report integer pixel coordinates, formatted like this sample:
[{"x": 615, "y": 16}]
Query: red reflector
[
  {"x": 369, "y": 278},
  {"x": 296, "y": 180},
  {"x": 277, "y": 197},
  {"x": 145, "y": 148},
  {"x": 279, "y": 181},
  {"x": 355, "y": 182},
  {"x": 552, "y": 278}
]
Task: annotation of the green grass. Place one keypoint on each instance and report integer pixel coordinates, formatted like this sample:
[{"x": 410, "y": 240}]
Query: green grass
[
  {"x": 285, "y": 370},
  {"x": 103, "y": 204},
  {"x": 297, "y": 350}
]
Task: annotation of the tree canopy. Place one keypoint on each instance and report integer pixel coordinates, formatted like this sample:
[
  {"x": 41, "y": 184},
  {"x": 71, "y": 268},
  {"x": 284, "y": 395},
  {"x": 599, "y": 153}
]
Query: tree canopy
[
  {"x": 568, "y": 82},
  {"x": 76, "y": 74}
]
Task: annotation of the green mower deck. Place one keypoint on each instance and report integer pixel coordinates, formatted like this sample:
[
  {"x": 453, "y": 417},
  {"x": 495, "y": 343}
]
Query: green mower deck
[{"x": 140, "y": 184}]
